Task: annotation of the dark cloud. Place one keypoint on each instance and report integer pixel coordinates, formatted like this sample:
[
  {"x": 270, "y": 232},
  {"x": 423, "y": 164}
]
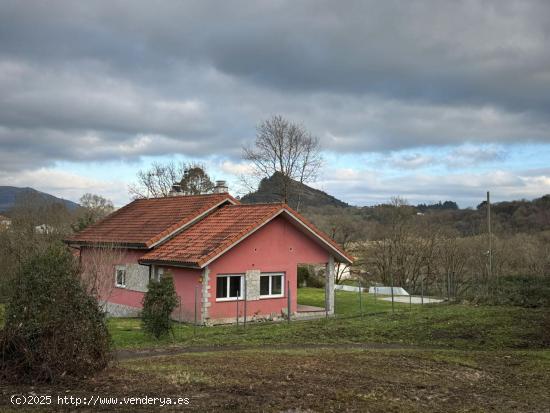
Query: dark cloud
[{"x": 121, "y": 79}]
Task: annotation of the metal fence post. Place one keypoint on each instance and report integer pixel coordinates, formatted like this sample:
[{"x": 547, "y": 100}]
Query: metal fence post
[
  {"x": 238, "y": 294},
  {"x": 360, "y": 298},
  {"x": 196, "y": 299},
  {"x": 180, "y": 317},
  {"x": 422, "y": 290},
  {"x": 392, "y": 304}
]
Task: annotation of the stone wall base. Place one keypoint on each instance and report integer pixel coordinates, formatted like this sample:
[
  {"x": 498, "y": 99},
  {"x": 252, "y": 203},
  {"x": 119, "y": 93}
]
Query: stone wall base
[
  {"x": 250, "y": 319},
  {"x": 121, "y": 310}
]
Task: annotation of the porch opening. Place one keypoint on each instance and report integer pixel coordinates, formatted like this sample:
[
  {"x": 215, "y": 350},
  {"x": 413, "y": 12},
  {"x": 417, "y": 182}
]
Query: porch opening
[{"x": 311, "y": 278}]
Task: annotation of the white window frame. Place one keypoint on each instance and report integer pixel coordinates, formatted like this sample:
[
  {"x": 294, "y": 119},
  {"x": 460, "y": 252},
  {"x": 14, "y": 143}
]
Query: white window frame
[
  {"x": 270, "y": 275},
  {"x": 158, "y": 273},
  {"x": 227, "y": 298},
  {"x": 117, "y": 269}
]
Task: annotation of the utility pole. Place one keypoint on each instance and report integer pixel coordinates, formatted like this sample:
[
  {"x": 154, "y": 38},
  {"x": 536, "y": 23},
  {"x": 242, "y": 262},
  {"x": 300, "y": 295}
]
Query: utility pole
[{"x": 489, "y": 233}]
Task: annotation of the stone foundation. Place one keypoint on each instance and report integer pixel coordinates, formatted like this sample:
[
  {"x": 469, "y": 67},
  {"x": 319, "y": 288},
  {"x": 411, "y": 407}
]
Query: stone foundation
[{"x": 120, "y": 310}]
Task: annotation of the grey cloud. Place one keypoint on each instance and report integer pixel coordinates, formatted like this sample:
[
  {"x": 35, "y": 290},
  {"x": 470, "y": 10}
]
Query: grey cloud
[
  {"x": 95, "y": 81},
  {"x": 467, "y": 189},
  {"x": 465, "y": 52}
]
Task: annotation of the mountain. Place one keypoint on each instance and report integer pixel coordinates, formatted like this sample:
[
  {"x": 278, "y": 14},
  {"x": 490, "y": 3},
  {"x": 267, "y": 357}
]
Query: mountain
[
  {"x": 8, "y": 195},
  {"x": 269, "y": 190}
]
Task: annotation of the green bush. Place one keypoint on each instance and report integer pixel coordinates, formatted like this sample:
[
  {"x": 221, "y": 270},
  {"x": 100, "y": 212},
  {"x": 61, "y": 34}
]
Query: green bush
[
  {"x": 307, "y": 277},
  {"x": 521, "y": 291},
  {"x": 53, "y": 328},
  {"x": 158, "y": 304}
]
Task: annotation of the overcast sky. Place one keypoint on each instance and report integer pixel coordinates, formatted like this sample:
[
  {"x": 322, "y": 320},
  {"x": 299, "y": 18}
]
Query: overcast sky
[{"x": 429, "y": 100}]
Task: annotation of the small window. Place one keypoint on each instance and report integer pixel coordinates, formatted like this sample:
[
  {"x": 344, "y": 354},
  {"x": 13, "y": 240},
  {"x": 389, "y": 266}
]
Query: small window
[
  {"x": 229, "y": 287},
  {"x": 158, "y": 273},
  {"x": 120, "y": 277},
  {"x": 271, "y": 285}
]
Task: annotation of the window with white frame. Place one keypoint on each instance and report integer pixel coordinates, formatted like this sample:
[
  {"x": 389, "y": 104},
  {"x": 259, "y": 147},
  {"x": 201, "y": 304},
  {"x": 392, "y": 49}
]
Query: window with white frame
[
  {"x": 158, "y": 273},
  {"x": 120, "y": 276},
  {"x": 271, "y": 285},
  {"x": 229, "y": 287}
]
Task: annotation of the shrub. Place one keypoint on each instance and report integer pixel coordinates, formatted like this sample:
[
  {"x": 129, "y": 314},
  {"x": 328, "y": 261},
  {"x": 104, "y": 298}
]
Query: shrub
[
  {"x": 514, "y": 290},
  {"x": 158, "y": 304},
  {"x": 52, "y": 327},
  {"x": 303, "y": 275},
  {"x": 308, "y": 277}
]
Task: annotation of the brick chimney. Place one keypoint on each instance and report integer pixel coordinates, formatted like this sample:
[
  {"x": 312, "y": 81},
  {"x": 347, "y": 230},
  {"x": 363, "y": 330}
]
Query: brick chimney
[{"x": 221, "y": 187}]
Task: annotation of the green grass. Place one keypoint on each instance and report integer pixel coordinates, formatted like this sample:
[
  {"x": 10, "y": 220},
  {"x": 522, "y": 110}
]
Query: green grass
[
  {"x": 346, "y": 303},
  {"x": 445, "y": 326}
]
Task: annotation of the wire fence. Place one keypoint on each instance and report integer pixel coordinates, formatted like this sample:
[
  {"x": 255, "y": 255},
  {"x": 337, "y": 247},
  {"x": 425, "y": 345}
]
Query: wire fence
[{"x": 347, "y": 305}]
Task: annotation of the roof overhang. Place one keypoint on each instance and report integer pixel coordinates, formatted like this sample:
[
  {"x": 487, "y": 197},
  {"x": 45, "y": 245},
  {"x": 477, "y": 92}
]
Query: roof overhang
[{"x": 106, "y": 244}]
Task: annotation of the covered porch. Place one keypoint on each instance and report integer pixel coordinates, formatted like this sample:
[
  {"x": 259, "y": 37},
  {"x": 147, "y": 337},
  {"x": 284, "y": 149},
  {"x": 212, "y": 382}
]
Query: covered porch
[{"x": 313, "y": 310}]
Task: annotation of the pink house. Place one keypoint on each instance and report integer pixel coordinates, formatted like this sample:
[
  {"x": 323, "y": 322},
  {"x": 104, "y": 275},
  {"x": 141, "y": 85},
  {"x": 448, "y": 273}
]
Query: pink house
[{"x": 227, "y": 259}]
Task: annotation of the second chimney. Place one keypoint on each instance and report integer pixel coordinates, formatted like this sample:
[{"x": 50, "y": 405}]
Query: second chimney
[{"x": 221, "y": 188}]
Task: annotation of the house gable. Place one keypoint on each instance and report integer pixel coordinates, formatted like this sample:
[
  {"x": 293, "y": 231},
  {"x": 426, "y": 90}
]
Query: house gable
[{"x": 213, "y": 236}]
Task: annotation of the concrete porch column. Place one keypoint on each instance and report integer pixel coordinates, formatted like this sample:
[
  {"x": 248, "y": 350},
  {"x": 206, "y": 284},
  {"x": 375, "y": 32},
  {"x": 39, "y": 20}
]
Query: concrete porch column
[
  {"x": 204, "y": 297},
  {"x": 329, "y": 285}
]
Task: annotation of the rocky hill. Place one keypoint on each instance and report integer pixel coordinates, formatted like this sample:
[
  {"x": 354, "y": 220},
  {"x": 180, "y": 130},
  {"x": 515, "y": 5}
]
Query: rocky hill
[{"x": 302, "y": 195}]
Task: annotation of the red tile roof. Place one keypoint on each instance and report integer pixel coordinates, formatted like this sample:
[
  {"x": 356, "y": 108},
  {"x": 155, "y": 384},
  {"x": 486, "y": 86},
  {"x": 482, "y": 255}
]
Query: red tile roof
[
  {"x": 215, "y": 234},
  {"x": 144, "y": 222}
]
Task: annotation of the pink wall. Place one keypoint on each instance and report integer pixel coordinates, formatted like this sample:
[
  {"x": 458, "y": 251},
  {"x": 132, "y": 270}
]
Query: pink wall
[
  {"x": 185, "y": 281},
  {"x": 277, "y": 247},
  {"x": 102, "y": 262}
]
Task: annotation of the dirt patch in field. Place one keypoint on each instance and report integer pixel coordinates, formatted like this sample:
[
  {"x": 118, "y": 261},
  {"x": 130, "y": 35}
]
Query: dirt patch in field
[{"x": 325, "y": 380}]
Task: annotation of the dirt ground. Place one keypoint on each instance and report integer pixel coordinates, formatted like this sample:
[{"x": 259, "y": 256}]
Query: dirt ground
[{"x": 320, "y": 380}]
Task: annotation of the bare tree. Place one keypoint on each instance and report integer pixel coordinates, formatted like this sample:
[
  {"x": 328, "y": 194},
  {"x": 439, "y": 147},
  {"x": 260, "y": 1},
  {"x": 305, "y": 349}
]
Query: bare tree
[
  {"x": 93, "y": 208},
  {"x": 344, "y": 226},
  {"x": 405, "y": 256},
  {"x": 452, "y": 258},
  {"x": 158, "y": 180},
  {"x": 97, "y": 270},
  {"x": 286, "y": 149}
]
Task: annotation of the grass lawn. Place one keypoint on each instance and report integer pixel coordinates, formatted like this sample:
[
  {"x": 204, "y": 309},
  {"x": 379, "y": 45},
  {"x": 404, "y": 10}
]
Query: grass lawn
[
  {"x": 462, "y": 359},
  {"x": 445, "y": 326}
]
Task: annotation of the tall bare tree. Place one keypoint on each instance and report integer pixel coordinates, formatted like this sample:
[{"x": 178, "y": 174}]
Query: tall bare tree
[
  {"x": 93, "y": 208},
  {"x": 158, "y": 180},
  {"x": 286, "y": 149},
  {"x": 343, "y": 225},
  {"x": 97, "y": 271}
]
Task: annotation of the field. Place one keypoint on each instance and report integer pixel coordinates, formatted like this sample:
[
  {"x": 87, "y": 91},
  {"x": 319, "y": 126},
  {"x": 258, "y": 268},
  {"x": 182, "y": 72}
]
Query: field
[
  {"x": 450, "y": 358},
  {"x": 442, "y": 326}
]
